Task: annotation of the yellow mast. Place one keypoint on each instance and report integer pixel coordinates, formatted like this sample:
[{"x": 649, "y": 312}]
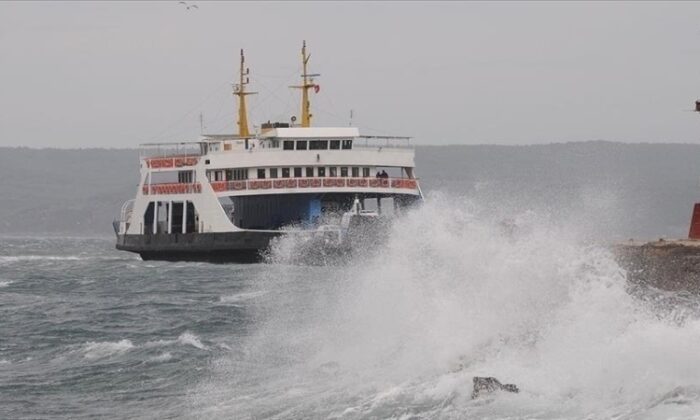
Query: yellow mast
[
  {"x": 239, "y": 90},
  {"x": 307, "y": 83}
]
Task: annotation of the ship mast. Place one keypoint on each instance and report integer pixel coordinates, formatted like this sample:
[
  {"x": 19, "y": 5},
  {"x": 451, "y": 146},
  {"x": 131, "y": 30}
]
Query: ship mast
[
  {"x": 307, "y": 83},
  {"x": 239, "y": 90}
]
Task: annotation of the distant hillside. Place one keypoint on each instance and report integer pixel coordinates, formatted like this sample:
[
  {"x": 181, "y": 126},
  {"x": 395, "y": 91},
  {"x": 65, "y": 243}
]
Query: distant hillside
[{"x": 626, "y": 190}]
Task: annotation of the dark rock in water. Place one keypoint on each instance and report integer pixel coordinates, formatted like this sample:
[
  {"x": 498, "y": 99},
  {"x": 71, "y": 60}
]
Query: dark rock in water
[{"x": 486, "y": 385}]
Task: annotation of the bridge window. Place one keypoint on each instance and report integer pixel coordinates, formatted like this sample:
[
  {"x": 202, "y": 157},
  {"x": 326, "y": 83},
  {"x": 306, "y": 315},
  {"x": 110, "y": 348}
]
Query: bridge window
[
  {"x": 261, "y": 173},
  {"x": 347, "y": 144},
  {"x": 333, "y": 171},
  {"x": 301, "y": 145},
  {"x": 285, "y": 172},
  {"x": 321, "y": 172},
  {"x": 344, "y": 171},
  {"x": 335, "y": 144},
  {"x": 355, "y": 172},
  {"x": 288, "y": 145},
  {"x": 309, "y": 172},
  {"x": 318, "y": 144},
  {"x": 273, "y": 172},
  {"x": 297, "y": 172}
]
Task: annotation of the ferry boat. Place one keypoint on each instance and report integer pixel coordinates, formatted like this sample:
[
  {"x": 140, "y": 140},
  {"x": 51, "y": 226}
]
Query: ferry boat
[{"x": 225, "y": 197}]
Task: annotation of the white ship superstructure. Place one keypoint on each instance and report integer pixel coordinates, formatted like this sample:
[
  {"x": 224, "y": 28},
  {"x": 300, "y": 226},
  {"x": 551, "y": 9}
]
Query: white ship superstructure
[{"x": 224, "y": 197}]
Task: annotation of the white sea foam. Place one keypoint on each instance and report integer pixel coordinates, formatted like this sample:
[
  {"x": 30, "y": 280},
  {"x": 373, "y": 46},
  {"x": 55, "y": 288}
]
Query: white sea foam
[
  {"x": 241, "y": 297},
  {"x": 100, "y": 350},
  {"x": 163, "y": 357},
  {"x": 449, "y": 297},
  {"x": 187, "y": 338},
  {"x": 5, "y": 283},
  {"x": 20, "y": 258}
]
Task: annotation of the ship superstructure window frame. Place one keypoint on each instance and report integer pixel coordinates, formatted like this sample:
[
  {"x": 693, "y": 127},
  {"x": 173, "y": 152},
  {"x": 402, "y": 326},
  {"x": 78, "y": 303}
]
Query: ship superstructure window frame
[
  {"x": 344, "y": 171},
  {"x": 321, "y": 172},
  {"x": 285, "y": 172},
  {"x": 261, "y": 173},
  {"x": 335, "y": 145},
  {"x": 302, "y": 145},
  {"x": 318, "y": 144},
  {"x": 309, "y": 171},
  {"x": 288, "y": 145},
  {"x": 273, "y": 172},
  {"x": 240, "y": 174},
  {"x": 185, "y": 177},
  {"x": 297, "y": 172},
  {"x": 355, "y": 172},
  {"x": 333, "y": 172},
  {"x": 365, "y": 172},
  {"x": 347, "y": 144}
]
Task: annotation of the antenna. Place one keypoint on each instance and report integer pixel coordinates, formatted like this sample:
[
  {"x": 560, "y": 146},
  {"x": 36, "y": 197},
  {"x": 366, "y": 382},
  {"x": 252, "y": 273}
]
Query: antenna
[
  {"x": 239, "y": 90},
  {"x": 350, "y": 124},
  {"x": 307, "y": 83},
  {"x": 201, "y": 123}
]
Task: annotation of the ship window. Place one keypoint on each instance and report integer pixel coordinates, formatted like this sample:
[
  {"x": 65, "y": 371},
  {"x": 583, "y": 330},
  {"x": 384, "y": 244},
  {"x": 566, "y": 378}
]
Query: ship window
[
  {"x": 344, "y": 171},
  {"x": 273, "y": 172},
  {"x": 238, "y": 174},
  {"x": 301, "y": 145},
  {"x": 217, "y": 175},
  {"x": 335, "y": 144},
  {"x": 318, "y": 144},
  {"x": 288, "y": 145},
  {"x": 297, "y": 172},
  {"x": 285, "y": 172},
  {"x": 261, "y": 173},
  {"x": 347, "y": 144},
  {"x": 184, "y": 177},
  {"x": 321, "y": 172},
  {"x": 332, "y": 171},
  {"x": 355, "y": 171},
  {"x": 309, "y": 172},
  {"x": 365, "y": 172},
  {"x": 229, "y": 175}
]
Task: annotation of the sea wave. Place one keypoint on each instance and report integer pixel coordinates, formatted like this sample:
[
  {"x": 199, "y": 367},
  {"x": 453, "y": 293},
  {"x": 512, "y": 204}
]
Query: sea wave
[
  {"x": 187, "y": 338},
  {"x": 451, "y": 296},
  {"x": 95, "y": 350},
  {"x": 241, "y": 297}
]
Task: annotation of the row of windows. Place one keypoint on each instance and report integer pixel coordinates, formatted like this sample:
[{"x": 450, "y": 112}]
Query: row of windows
[
  {"x": 317, "y": 144},
  {"x": 310, "y": 172}
]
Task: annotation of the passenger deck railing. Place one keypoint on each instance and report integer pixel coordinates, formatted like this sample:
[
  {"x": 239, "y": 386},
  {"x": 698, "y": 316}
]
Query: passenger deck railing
[
  {"x": 172, "y": 188},
  {"x": 304, "y": 183},
  {"x": 171, "y": 162},
  {"x": 283, "y": 183}
]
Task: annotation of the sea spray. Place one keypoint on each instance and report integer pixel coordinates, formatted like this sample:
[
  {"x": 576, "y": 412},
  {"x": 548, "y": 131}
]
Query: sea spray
[{"x": 450, "y": 296}]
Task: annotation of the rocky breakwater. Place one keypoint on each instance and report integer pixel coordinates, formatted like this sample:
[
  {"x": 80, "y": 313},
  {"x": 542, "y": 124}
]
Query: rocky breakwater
[{"x": 672, "y": 265}]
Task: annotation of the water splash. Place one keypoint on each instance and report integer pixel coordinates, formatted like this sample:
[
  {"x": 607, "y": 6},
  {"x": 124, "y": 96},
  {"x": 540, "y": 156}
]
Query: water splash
[{"x": 449, "y": 296}]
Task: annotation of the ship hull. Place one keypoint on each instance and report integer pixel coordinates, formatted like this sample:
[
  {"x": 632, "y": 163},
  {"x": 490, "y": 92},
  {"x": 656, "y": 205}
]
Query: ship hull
[{"x": 222, "y": 247}]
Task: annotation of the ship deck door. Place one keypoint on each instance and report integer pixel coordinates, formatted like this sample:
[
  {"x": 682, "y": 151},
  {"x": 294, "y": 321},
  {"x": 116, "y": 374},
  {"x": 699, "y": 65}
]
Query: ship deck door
[{"x": 314, "y": 210}]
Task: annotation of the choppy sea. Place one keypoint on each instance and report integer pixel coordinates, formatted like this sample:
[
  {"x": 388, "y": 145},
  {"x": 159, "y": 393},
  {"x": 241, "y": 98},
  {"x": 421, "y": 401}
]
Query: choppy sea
[{"x": 90, "y": 332}]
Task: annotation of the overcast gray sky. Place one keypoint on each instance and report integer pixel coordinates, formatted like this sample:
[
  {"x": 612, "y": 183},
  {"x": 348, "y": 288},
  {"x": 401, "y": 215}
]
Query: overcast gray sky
[{"x": 115, "y": 74}]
